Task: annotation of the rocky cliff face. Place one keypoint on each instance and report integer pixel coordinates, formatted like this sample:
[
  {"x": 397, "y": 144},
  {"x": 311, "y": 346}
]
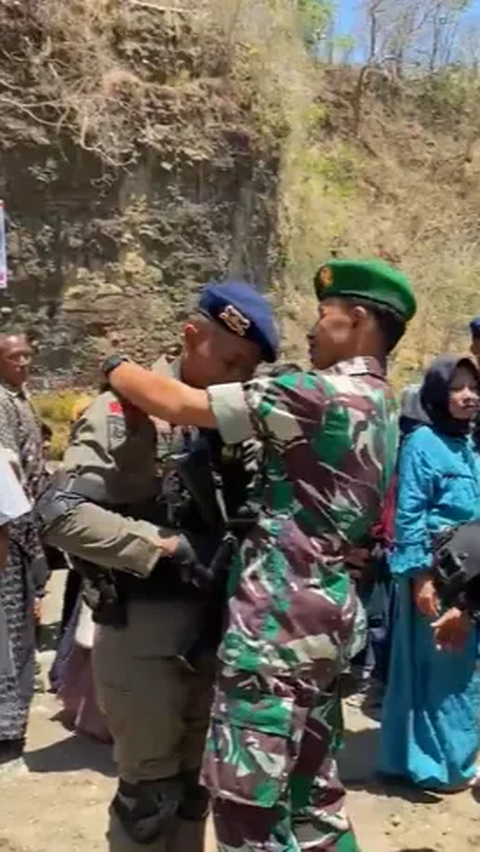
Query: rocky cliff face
[{"x": 124, "y": 199}]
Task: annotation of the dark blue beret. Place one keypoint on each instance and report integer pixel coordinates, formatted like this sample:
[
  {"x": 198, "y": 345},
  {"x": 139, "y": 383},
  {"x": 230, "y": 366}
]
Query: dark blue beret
[
  {"x": 242, "y": 310},
  {"x": 475, "y": 327}
]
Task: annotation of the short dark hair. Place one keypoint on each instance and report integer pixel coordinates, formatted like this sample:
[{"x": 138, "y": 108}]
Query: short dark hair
[{"x": 391, "y": 324}]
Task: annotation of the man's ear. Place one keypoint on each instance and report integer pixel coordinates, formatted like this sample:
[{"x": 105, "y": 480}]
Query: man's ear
[
  {"x": 190, "y": 335},
  {"x": 359, "y": 314}
]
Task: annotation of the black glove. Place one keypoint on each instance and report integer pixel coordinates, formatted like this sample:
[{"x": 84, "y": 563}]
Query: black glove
[{"x": 190, "y": 567}]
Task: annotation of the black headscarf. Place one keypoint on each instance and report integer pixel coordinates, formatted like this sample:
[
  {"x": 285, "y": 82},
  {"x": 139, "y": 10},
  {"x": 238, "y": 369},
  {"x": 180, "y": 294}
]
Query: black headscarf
[
  {"x": 412, "y": 415},
  {"x": 434, "y": 395}
]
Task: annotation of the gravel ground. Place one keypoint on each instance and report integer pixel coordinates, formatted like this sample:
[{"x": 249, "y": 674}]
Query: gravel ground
[{"x": 61, "y": 801}]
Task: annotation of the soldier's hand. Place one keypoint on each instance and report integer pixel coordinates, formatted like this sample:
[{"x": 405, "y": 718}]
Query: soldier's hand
[
  {"x": 191, "y": 568},
  {"x": 425, "y": 596},
  {"x": 358, "y": 557}
]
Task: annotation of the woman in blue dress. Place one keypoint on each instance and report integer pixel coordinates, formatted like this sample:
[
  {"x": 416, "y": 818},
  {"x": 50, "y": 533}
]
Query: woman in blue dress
[{"x": 430, "y": 730}]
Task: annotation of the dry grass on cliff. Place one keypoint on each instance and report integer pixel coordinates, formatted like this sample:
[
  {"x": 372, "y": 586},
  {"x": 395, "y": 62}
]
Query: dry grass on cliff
[
  {"x": 95, "y": 94},
  {"x": 404, "y": 190},
  {"x": 94, "y": 67},
  {"x": 406, "y": 185}
]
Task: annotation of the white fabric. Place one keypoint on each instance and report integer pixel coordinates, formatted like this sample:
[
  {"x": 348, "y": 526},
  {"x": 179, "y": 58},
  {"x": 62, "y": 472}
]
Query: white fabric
[
  {"x": 84, "y": 634},
  {"x": 231, "y": 412},
  {"x": 13, "y": 501}
]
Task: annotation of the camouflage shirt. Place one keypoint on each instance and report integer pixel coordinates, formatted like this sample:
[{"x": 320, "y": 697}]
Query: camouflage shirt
[{"x": 330, "y": 442}]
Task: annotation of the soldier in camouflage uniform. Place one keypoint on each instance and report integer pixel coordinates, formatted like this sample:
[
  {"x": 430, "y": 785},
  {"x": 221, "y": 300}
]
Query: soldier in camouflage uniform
[{"x": 330, "y": 441}]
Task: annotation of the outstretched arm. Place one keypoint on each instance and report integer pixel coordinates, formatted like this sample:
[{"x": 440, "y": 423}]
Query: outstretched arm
[
  {"x": 162, "y": 396},
  {"x": 281, "y": 408}
]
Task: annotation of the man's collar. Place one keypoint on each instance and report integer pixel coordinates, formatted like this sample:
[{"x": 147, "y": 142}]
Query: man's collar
[
  {"x": 360, "y": 366},
  {"x": 12, "y": 390}
]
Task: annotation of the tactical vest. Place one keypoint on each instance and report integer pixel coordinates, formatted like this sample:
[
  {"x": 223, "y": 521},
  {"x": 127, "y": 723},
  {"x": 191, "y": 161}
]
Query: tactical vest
[{"x": 206, "y": 491}]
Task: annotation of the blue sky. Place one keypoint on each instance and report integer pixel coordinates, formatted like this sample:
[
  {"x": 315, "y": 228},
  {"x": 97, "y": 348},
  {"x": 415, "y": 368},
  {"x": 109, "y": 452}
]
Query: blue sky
[{"x": 349, "y": 15}]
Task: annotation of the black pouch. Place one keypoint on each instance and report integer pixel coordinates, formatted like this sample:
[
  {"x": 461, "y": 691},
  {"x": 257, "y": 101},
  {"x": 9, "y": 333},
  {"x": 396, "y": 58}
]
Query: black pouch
[
  {"x": 103, "y": 594},
  {"x": 457, "y": 567}
]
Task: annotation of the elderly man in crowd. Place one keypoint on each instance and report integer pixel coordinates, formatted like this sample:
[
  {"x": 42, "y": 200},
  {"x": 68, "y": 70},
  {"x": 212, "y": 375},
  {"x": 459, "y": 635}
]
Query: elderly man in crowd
[{"x": 24, "y": 575}]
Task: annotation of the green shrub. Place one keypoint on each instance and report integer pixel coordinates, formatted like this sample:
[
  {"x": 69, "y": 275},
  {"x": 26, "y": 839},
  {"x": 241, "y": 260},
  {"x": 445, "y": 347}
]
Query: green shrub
[{"x": 58, "y": 410}]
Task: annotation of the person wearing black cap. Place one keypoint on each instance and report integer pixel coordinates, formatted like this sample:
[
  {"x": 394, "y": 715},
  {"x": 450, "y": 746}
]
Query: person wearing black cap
[{"x": 121, "y": 503}]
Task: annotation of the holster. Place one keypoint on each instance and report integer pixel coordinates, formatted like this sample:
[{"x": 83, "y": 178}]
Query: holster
[
  {"x": 103, "y": 594},
  {"x": 210, "y": 635}
]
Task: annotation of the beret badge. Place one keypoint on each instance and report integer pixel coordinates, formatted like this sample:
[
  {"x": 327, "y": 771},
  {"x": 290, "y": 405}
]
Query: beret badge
[
  {"x": 325, "y": 277},
  {"x": 235, "y": 320}
]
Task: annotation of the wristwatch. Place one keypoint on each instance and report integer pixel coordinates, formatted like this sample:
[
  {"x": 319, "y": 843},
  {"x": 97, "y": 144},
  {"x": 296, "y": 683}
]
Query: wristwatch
[{"x": 112, "y": 362}]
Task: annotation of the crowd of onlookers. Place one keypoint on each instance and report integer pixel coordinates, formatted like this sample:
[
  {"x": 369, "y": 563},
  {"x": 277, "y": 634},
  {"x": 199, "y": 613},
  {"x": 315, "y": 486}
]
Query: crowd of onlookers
[{"x": 418, "y": 670}]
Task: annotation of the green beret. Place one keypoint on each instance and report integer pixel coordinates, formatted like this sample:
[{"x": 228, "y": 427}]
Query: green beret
[{"x": 372, "y": 280}]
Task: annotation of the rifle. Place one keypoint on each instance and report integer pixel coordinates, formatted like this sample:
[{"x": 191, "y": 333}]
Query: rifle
[{"x": 204, "y": 485}]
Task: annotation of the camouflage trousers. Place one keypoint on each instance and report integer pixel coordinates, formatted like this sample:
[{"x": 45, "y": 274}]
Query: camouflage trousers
[{"x": 270, "y": 766}]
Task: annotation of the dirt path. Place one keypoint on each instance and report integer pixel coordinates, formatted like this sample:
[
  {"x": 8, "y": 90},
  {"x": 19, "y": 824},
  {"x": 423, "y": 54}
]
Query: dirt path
[{"x": 61, "y": 803}]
